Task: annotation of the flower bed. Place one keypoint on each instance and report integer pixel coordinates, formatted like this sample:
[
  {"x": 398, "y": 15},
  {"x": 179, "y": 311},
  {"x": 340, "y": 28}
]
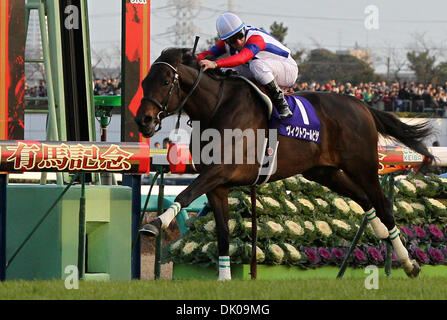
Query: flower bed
[{"x": 304, "y": 224}]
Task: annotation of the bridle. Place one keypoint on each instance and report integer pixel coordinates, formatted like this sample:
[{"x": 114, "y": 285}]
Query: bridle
[{"x": 164, "y": 105}]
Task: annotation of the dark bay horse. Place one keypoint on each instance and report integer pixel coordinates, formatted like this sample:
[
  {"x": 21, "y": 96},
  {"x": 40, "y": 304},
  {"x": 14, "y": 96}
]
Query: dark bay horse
[{"x": 345, "y": 160}]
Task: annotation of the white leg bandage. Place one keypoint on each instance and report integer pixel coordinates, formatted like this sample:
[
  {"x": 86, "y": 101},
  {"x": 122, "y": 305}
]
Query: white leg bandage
[
  {"x": 170, "y": 214},
  {"x": 399, "y": 249},
  {"x": 379, "y": 228},
  {"x": 224, "y": 268}
]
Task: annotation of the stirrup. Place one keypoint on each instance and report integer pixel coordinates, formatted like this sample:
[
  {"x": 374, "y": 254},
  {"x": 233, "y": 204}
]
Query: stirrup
[{"x": 285, "y": 112}]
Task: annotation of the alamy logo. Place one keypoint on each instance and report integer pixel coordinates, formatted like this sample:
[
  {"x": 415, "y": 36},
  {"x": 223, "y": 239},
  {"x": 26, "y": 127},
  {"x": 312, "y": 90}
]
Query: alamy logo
[
  {"x": 372, "y": 18},
  {"x": 138, "y": 1},
  {"x": 72, "y": 20}
]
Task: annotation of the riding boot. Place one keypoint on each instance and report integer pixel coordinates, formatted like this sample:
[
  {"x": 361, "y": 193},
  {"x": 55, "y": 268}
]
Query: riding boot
[{"x": 277, "y": 97}]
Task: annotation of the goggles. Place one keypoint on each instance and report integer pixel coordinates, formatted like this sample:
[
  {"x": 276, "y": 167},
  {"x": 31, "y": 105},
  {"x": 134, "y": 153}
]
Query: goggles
[{"x": 236, "y": 37}]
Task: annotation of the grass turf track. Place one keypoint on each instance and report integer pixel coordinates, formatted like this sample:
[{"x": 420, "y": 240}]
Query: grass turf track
[{"x": 345, "y": 289}]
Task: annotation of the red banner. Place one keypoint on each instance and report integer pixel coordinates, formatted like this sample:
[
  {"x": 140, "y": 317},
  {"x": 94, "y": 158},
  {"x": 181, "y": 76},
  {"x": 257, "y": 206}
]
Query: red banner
[
  {"x": 12, "y": 69},
  {"x": 33, "y": 156},
  {"x": 136, "y": 63}
]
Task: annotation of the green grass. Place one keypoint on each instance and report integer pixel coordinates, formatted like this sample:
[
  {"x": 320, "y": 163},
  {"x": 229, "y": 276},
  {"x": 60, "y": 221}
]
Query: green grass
[{"x": 389, "y": 289}]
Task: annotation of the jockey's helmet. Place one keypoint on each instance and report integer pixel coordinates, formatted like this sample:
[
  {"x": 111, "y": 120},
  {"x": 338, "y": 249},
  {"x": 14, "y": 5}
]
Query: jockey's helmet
[{"x": 228, "y": 24}]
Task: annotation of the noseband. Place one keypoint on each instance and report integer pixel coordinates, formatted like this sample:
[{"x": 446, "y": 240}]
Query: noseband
[{"x": 164, "y": 107}]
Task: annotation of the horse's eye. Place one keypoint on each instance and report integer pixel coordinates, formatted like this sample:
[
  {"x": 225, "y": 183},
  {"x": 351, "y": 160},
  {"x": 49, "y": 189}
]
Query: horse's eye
[{"x": 166, "y": 82}]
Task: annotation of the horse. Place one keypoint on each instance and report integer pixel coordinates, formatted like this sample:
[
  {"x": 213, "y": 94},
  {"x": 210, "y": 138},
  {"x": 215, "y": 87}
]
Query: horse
[{"x": 345, "y": 160}]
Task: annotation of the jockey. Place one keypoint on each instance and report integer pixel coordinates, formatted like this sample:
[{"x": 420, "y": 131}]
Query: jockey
[{"x": 256, "y": 54}]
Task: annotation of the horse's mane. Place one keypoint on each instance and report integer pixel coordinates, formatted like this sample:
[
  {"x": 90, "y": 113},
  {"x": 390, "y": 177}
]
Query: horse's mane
[{"x": 185, "y": 57}]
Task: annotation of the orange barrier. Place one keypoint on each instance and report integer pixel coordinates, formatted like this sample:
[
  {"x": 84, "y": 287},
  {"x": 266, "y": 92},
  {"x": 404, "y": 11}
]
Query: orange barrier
[{"x": 391, "y": 158}]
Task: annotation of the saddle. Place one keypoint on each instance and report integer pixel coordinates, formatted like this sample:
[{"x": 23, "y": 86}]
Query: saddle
[{"x": 258, "y": 90}]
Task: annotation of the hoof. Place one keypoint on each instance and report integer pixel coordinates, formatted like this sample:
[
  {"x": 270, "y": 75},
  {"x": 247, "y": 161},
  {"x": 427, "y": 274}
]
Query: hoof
[
  {"x": 414, "y": 272},
  {"x": 152, "y": 229}
]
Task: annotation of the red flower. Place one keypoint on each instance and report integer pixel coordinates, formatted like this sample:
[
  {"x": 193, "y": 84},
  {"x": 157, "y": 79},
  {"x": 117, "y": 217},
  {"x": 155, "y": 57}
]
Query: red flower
[
  {"x": 420, "y": 255},
  {"x": 374, "y": 255},
  {"x": 324, "y": 253},
  {"x": 420, "y": 233},
  {"x": 435, "y": 232}
]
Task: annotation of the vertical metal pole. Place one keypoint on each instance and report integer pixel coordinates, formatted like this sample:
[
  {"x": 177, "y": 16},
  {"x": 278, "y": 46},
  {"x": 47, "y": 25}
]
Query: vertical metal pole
[
  {"x": 254, "y": 235},
  {"x": 359, "y": 233},
  {"x": 161, "y": 195},
  {"x": 3, "y": 189},
  {"x": 134, "y": 181},
  {"x": 81, "y": 241},
  {"x": 389, "y": 247}
]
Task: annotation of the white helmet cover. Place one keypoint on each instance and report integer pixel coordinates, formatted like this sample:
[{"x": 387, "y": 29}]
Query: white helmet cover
[{"x": 228, "y": 24}]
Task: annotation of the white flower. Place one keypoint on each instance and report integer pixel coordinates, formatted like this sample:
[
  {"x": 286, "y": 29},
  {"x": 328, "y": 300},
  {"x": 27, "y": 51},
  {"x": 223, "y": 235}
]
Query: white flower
[
  {"x": 233, "y": 201},
  {"x": 306, "y": 203},
  {"x": 290, "y": 205},
  {"x": 247, "y": 225},
  {"x": 231, "y": 225},
  {"x": 276, "y": 251},
  {"x": 355, "y": 207},
  {"x": 309, "y": 225},
  {"x": 275, "y": 227},
  {"x": 341, "y": 205},
  {"x": 418, "y": 206},
  {"x": 258, "y": 204},
  {"x": 326, "y": 189},
  {"x": 291, "y": 181},
  {"x": 323, "y": 227},
  {"x": 341, "y": 224},
  {"x": 405, "y": 206},
  {"x": 436, "y": 203},
  {"x": 295, "y": 228},
  {"x": 419, "y": 184},
  {"x": 232, "y": 249},
  {"x": 408, "y": 185},
  {"x": 176, "y": 244},
  {"x": 210, "y": 226},
  {"x": 190, "y": 247},
  {"x": 443, "y": 180},
  {"x": 260, "y": 255},
  {"x": 301, "y": 179},
  {"x": 321, "y": 202},
  {"x": 294, "y": 254},
  {"x": 272, "y": 202},
  {"x": 205, "y": 247}
]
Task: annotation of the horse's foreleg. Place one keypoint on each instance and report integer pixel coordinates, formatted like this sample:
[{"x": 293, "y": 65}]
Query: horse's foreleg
[
  {"x": 219, "y": 202},
  {"x": 206, "y": 181}
]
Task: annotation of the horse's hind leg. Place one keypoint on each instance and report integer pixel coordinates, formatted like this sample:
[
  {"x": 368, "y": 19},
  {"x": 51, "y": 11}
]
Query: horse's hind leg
[
  {"x": 366, "y": 177},
  {"x": 218, "y": 199},
  {"x": 338, "y": 181}
]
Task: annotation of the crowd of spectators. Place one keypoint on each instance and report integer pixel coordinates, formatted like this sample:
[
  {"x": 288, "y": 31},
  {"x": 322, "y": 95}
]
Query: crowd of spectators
[
  {"x": 394, "y": 96},
  {"x": 36, "y": 91},
  {"x": 101, "y": 87},
  {"x": 107, "y": 87}
]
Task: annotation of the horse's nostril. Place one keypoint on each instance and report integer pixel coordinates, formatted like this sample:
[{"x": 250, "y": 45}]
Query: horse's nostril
[{"x": 147, "y": 119}]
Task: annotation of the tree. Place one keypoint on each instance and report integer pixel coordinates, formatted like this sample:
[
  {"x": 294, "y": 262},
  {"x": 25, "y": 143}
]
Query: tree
[
  {"x": 440, "y": 73},
  {"x": 279, "y": 31},
  {"x": 422, "y": 64},
  {"x": 322, "y": 65}
]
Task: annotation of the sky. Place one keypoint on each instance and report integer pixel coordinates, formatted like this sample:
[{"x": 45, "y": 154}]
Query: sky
[{"x": 330, "y": 24}]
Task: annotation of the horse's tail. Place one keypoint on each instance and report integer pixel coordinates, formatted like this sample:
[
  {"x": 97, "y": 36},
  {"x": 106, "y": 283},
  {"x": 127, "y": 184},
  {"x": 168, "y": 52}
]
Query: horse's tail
[{"x": 389, "y": 126}]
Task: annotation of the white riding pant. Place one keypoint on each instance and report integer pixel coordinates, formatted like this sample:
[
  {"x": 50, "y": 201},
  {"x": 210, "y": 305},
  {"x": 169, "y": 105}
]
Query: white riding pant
[{"x": 283, "y": 70}]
